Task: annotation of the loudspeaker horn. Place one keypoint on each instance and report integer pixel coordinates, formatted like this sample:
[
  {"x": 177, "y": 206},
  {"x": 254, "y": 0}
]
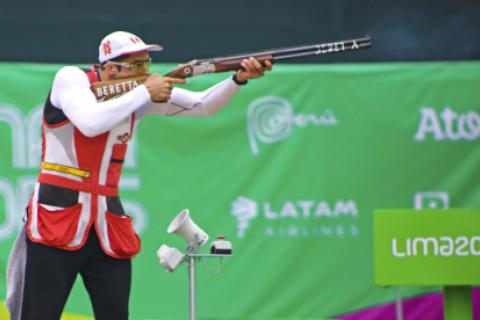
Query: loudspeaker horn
[{"x": 184, "y": 226}]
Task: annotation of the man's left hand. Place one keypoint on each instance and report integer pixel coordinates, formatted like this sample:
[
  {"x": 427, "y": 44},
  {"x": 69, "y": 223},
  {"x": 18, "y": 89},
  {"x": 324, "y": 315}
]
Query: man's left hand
[{"x": 252, "y": 69}]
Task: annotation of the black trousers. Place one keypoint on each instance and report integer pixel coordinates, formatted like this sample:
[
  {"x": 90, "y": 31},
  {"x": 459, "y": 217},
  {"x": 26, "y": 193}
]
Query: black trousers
[{"x": 51, "y": 273}]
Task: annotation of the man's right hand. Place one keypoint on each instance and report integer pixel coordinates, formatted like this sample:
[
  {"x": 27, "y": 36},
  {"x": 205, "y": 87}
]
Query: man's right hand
[{"x": 160, "y": 88}]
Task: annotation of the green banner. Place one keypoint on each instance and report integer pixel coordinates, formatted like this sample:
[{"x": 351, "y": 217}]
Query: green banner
[
  {"x": 290, "y": 172},
  {"x": 427, "y": 247}
]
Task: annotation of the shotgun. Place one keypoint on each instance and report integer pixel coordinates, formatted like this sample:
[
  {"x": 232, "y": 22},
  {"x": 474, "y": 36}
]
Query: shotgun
[{"x": 105, "y": 90}]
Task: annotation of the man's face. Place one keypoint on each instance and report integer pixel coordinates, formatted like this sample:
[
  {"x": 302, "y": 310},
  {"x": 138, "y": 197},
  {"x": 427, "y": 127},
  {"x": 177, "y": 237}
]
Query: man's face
[{"x": 133, "y": 65}]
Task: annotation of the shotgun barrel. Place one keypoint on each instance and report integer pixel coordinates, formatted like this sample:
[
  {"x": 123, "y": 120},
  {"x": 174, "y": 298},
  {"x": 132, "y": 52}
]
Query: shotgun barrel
[{"x": 229, "y": 63}]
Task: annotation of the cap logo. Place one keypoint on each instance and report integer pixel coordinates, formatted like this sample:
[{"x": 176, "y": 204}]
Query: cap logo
[
  {"x": 107, "y": 48},
  {"x": 135, "y": 40}
]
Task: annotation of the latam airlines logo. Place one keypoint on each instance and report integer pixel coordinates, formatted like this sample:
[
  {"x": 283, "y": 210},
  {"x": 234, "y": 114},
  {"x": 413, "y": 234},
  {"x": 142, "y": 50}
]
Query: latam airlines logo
[
  {"x": 448, "y": 125},
  {"x": 301, "y": 218},
  {"x": 271, "y": 119}
]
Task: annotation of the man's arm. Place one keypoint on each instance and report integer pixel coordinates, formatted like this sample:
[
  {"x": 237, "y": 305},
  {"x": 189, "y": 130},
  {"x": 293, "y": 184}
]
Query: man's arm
[
  {"x": 71, "y": 93},
  {"x": 194, "y": 104},
  {"x": 210, "y": 101}
]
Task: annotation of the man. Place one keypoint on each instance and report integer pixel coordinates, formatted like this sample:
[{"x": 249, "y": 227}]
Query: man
[{"x": 75, "y": 220}]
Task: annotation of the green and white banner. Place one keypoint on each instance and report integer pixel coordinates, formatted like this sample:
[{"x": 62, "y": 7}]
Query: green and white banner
[{"x": 290, "y": 172}]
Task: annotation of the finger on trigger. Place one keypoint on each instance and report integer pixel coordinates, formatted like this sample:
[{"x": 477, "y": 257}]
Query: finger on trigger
[{"x": 175, "y": 80}]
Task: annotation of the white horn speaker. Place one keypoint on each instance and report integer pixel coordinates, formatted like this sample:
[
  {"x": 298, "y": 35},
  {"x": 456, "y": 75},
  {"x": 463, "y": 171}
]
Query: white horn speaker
[{"x": 184, "y": 226}]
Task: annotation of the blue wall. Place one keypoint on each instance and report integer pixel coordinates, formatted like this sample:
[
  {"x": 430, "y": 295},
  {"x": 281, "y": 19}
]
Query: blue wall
[{"x": 63, "y": 31}]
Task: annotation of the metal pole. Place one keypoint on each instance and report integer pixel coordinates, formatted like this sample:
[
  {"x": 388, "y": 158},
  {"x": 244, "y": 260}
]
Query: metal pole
[
  {"x": 457, "y": 302},
  {"x": 398, "y": 304},
  {"x": 191, "y": 292}
]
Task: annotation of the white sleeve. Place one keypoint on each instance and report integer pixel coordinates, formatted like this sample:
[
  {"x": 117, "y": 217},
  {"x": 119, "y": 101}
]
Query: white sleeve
[
  {"x": 71, "y": 93},
  {"x": 194, "y": 104}
]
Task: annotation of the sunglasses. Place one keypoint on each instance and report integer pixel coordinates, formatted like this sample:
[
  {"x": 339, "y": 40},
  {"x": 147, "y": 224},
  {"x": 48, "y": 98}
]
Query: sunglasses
[{"x": 135, "y": 65}]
